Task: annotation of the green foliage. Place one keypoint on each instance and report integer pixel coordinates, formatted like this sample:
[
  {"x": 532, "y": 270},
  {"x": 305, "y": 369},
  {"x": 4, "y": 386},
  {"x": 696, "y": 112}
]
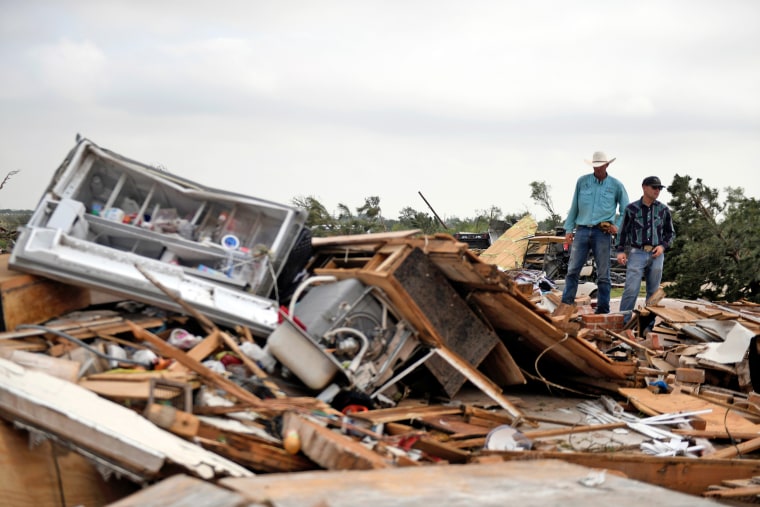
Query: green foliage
[
  {"x": 717, "y": 247},
  {"x": 318, "y": 219},
  {"x": 10, "y": 221},
  {"x": 539, "y": 192},
  {"x": 368, "y": 218},
  {"x": 409, "y": 218}
]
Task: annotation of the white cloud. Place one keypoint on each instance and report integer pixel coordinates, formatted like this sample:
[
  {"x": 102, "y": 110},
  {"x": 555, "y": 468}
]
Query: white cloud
[
  {"x": 69, "y": 70},
  {"x": 466, "y": 102}
]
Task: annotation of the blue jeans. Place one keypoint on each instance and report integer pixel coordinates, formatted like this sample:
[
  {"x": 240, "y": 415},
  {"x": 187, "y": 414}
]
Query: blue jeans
[
  {"x": 640, "y": 265},
  {"x": 599, "y": 243}
]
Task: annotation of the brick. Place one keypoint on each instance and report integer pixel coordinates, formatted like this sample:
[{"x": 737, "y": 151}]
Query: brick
[
  {"x": 656, "y": 341},
  {"x": 593, "y": 319},
  {"x": 611, "y": 321}
]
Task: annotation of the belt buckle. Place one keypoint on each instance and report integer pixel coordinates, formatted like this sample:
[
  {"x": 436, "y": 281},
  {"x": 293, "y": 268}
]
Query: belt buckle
[
  {"x": 604, "y": 226},
  {"x": 648, "y": 248}
]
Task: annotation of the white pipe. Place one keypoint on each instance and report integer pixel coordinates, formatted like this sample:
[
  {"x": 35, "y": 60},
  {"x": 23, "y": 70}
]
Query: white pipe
[
  {"x": 365, "y": 344},
  {"x": 302, "y": 287}
]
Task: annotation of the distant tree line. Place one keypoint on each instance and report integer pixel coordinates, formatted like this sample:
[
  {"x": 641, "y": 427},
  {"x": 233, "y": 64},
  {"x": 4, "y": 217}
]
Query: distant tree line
[{"x": 716, "y": 254}]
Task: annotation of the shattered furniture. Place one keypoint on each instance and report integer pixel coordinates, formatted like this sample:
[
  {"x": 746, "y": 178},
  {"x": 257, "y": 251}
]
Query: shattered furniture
[
  {"x": 415, "y": 274},
  {"x": 342, "y": 327},
  {"x": 29, "y": 299},
  {"x": 103, "y": 214}
]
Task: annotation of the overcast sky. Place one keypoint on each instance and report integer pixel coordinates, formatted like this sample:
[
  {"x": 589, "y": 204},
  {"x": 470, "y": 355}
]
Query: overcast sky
[{"x": 467, "y": 102}]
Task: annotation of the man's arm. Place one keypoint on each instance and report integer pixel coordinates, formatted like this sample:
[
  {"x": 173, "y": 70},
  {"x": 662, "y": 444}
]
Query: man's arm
[
  {"x": 623, "y": 202},
  {"x": 572, "y": 213},
  {"x": 668, "y": 231}
]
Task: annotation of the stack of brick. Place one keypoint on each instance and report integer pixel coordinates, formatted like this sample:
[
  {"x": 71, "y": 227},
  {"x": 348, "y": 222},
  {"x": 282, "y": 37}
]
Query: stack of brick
[{"x": 611, "y": 321}]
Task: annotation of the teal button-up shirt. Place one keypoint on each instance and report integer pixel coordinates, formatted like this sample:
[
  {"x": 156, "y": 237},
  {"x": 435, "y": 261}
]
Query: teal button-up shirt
[{"x": 596, "y": 201}]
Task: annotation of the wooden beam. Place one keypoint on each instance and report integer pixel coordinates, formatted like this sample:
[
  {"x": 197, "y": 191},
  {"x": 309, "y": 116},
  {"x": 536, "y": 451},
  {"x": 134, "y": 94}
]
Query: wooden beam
[
  {"x": 330, "y": 449},
  {"x": 481, "y": 381},
  {"x": 736, "y": 450},
  {"x": 687, "y": 475}
]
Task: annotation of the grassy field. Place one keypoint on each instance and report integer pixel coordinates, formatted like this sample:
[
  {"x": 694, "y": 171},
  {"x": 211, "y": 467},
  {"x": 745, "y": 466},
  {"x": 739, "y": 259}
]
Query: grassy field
[{"x": 617, "y": 292}]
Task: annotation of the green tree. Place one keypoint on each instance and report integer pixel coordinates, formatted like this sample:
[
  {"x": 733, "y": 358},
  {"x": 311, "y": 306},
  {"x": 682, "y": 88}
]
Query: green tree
[
  {"x": 318, "y": 219},
  {"x": 370, "y": 215},
  {"x": 540, "y": 193},
  {"x": 409, "y": 218},
  {"x": 717, "y": 247}
]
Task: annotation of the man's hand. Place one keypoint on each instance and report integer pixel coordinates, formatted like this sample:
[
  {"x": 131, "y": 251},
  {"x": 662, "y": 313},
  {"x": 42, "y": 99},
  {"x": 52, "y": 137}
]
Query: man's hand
[
  {"x": 658, "y": 250},
  {"x": 622, "y": 258}
]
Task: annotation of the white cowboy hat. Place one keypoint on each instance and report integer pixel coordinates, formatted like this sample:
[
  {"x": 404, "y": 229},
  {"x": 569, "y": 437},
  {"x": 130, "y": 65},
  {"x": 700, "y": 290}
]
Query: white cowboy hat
[{"x": 599, "y": 159}]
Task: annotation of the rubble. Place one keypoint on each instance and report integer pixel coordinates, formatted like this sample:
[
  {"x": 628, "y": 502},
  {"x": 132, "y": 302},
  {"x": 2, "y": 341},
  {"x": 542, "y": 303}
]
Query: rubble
[{"x": 382, "y": 351}]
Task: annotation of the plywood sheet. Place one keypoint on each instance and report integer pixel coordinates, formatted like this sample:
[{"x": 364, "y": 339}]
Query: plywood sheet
[
  {"x": 720, "y": 418},
  {"x": 508, "y": 251},
  {"x": 543, "y": 482}
]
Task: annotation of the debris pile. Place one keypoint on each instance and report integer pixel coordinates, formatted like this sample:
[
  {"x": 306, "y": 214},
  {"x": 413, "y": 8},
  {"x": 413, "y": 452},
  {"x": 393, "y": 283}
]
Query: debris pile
[{"x": 371, "y": 353}]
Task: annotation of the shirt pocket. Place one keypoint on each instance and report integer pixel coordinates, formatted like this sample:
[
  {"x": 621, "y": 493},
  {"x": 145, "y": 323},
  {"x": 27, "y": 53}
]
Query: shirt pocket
[
  {"x": 587, "y": 193},
  {"x": 607, "y": 199}
]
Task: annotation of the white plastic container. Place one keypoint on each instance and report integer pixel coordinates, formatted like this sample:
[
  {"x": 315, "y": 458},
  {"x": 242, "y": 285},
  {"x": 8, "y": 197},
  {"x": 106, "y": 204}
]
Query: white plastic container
[{"x": 296, "y": 350}]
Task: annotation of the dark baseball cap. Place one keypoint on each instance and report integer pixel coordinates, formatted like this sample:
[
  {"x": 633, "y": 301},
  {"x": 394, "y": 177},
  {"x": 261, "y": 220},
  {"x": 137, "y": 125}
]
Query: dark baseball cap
[{"x": 652, "y": 181}]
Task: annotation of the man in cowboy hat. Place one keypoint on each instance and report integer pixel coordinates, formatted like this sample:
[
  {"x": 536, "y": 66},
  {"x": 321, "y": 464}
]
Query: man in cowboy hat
[
  {"x": 591, "y": 222},
  {"x": 646, "y": 233}
]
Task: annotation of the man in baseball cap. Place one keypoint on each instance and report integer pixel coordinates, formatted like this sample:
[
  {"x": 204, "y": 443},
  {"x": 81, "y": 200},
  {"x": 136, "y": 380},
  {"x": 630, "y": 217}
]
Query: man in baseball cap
[
  {"x": 646, "y": 233},
  {"x": 652, "y": 181}
]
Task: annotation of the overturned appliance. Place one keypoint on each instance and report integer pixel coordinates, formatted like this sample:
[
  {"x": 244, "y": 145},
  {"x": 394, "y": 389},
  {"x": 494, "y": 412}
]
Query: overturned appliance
[
  {"x": 103, "y": 215},
  {"x": 344, "y": 334}
]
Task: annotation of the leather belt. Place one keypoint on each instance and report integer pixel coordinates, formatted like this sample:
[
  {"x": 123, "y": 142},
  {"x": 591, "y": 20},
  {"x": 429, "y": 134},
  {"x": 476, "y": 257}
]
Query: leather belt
[{"x": 605, "y": 226}]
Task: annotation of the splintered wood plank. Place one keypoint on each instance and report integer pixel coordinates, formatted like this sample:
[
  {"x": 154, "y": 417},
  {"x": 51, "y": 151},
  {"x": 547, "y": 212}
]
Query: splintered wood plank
[
  {"x": 748, "y": 491},
  {"x": 508, "y": 251},
  {"x": 674, "y": 315},
  {"x": 128, "y": 389},
  {"x": 455, "y": 426},
  {"x": 506, "y": 312},
  {"x": 395, "y": 414},
  {"x": 718, "y": 419},
  {"x": 100, "y": 427},
  {"x": 169, "y": 418},
  {"x": 32, "y": 299},
  {"x": 330, "y": 449},
  {"x": 687, "y": 475},
  {"x": 359, "y": 239},
  {"x": 41, "y": 474},
  {"x": 501, "y": 367},
  {"x": 259, "y": 456},
  {"x": 735, "y": 450},
  {"x": 182, "y": 491},
  {"x": 62, "y": 368},
  {"x": 478, "y": 379},
  {"x": 428, "y": 444},
  {"x": 545, "y": 482}
]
